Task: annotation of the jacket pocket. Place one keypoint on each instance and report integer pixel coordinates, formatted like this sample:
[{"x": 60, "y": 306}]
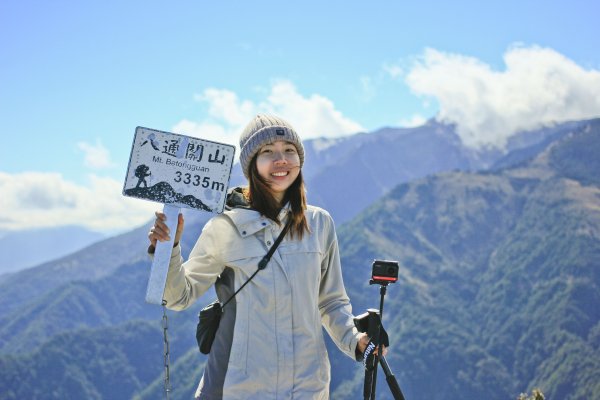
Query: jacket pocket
[
  {"x": 244, "y": 252},
  {"x": 308, "y": 244},
  {"x": 244, "y": 260}
]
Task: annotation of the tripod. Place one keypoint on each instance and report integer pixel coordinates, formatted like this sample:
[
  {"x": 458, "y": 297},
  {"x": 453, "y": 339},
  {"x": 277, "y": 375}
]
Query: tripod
[{"x": 378, "y": 336}]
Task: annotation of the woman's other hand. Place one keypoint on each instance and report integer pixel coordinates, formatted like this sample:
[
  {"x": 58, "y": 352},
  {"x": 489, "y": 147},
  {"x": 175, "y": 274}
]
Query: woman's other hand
[{"x": 363, "y": 342}]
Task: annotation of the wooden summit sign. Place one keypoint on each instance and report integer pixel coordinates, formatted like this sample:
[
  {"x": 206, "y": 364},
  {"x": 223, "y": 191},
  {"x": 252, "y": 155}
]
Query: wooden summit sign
[{"x": 178, "y": 171}]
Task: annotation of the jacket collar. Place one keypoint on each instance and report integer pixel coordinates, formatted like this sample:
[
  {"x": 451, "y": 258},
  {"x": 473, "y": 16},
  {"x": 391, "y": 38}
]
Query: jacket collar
[{"x": 246, "y": 220}]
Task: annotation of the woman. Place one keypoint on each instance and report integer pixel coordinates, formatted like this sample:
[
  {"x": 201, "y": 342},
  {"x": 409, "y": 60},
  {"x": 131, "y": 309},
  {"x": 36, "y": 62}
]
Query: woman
[{"x": 270, "y": 342}]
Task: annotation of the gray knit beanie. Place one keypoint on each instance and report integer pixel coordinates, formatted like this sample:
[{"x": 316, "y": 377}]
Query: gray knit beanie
[{"x": 265, "y": 129}]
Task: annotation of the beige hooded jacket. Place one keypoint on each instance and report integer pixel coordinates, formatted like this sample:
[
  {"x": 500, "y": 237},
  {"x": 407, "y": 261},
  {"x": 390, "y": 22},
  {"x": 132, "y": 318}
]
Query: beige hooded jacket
[{"x": 270, "y": 343}]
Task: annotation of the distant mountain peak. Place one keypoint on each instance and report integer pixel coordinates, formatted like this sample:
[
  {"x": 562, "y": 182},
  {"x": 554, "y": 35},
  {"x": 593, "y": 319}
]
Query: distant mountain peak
[{"x": 322, "y": 144}]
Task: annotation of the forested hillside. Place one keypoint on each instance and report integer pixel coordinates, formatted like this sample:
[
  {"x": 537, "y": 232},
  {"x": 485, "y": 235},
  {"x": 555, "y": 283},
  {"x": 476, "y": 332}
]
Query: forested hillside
[
  {"x": 500, "y": 278},
  {"x": 498, "y": 293}
]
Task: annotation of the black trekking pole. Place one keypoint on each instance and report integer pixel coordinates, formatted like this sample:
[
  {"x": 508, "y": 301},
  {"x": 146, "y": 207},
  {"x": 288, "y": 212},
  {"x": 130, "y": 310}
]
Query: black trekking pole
[
  {"x": 372, "y": 359},
  {"x": 384, "y": 273}
]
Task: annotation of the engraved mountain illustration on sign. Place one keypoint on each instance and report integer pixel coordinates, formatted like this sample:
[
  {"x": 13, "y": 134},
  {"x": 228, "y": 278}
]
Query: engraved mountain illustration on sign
[{"x": 163, "y": 192}]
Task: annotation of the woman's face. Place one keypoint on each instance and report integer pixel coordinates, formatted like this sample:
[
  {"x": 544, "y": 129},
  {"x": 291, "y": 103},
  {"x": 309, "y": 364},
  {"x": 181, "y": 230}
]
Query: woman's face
[{"x": 278, "y": 164}]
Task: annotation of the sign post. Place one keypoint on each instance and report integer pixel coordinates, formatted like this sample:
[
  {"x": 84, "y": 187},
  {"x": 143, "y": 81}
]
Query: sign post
[
  {"x": 178, "y": 171},
  {"x": 162, "y": 256}
]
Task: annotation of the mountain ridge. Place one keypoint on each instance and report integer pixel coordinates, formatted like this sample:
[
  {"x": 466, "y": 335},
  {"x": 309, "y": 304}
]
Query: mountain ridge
[
  {"x": 490, "y": 261},
  {"x": 50, "y": 244},
  {"x": 552, "y": 229}
]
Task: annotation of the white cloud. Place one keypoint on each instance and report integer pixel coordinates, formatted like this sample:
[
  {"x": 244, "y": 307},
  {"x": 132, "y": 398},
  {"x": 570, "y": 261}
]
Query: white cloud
[
  {"x": 313, "y": 116},
  {"x": 40, "y": 199},
  {"x": 37, "y": 199},
  {"x": 225, "y": 105},
  {"x": 207, "y": 130},
  {"x": 394, "y": 71},
  {"x": 415, "y": 120},
  {"x": 96, "y": 156},
  {"x": 538, "y": 87}
]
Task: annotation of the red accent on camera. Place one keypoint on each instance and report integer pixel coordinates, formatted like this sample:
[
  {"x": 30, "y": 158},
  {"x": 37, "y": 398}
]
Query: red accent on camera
[{"x": 385, "y": 278}]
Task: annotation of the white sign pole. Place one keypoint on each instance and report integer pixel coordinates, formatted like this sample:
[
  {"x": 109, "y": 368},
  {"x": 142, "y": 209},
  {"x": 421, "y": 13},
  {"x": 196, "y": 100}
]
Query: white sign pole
[{"x": 162, "y": 256}]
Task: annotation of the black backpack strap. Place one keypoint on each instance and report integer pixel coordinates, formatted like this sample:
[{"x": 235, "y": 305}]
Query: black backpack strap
[{"x": 265, "y": 260}]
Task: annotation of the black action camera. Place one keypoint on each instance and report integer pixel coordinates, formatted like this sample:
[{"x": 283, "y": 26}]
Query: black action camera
[{"x": 384, "y": 272}]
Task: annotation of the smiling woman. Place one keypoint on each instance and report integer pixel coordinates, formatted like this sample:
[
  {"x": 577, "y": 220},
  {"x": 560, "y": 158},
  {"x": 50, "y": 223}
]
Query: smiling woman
[
  {"x": 278, "y": 164},
  {"x": 272, "y": 159}
]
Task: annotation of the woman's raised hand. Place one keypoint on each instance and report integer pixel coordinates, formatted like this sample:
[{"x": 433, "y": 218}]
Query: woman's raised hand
[{"x": 160, "y": 232}]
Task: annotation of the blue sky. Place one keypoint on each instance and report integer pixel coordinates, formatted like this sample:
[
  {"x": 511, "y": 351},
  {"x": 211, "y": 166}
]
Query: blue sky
[{"x": 78, "y": 77}]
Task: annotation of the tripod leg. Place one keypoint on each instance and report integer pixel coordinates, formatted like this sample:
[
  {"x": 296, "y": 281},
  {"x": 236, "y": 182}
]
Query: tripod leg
[
  {"x": 374, "y": 383},
  {"x": 391, "y": 379},
  {"x": 368, "y": 383}
]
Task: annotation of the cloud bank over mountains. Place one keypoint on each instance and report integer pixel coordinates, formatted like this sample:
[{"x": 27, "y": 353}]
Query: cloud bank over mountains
[
  {"x": 96, "y": 155},
  {"x": 44, "y": 199},
  {"x": 40, "y": 199},
  {"x": 538, "y": 87},
  {"x": 312, "y": 116}
]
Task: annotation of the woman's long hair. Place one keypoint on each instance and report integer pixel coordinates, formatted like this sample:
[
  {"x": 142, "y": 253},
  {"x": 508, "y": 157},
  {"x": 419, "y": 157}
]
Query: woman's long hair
[{"x": 260, "y": 198}]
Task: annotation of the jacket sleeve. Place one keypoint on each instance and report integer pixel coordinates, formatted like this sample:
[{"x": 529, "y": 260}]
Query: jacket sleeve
[
  {"x": 334, "y": 304},
  {"x": 186, "y": 281}
]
